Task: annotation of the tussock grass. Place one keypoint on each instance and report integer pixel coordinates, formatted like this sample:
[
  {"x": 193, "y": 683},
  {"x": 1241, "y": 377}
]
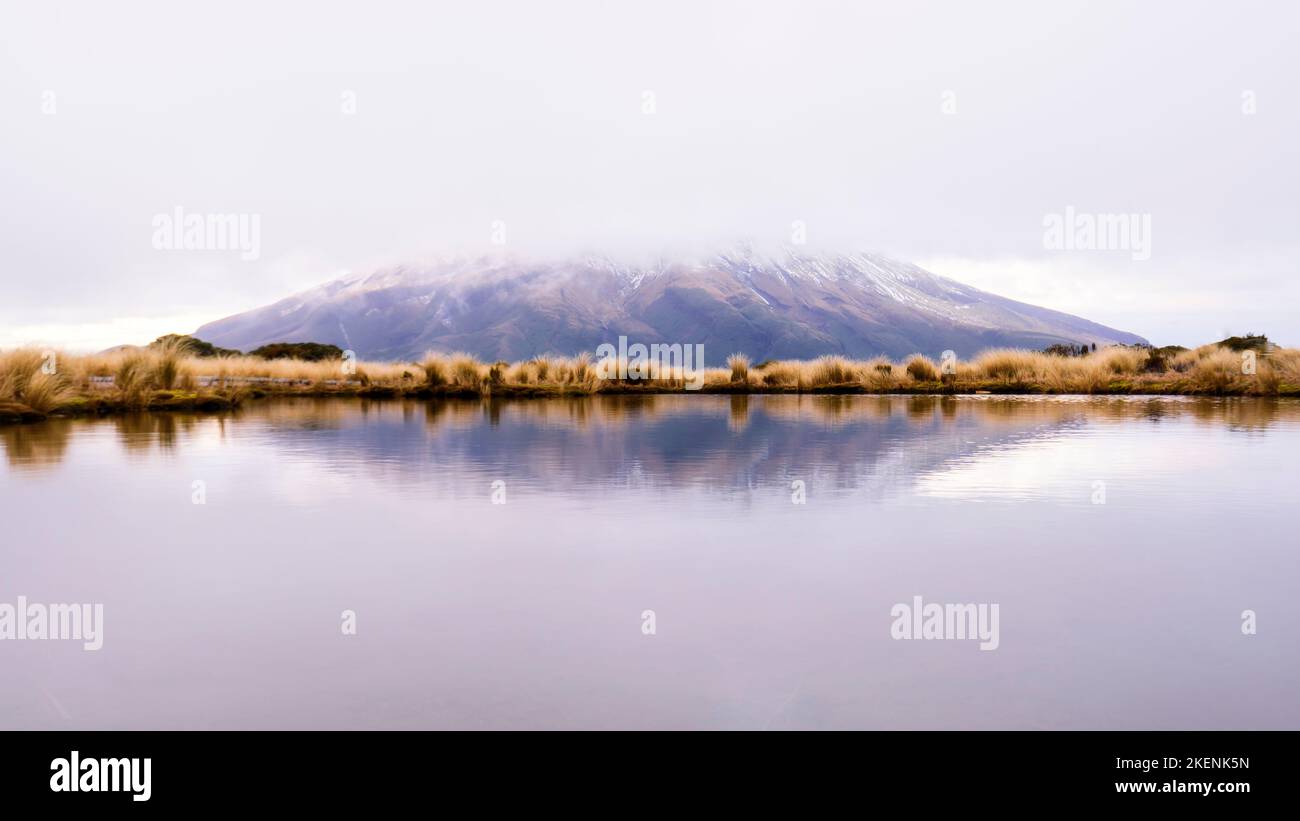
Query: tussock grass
[
  {"x": 830, "y": 370},
  {"x": 542, "y": 367},
  {"x": 168, "y": 363},
  {"x": 580, "y": 369},
  {"x": 879, "y": 375},
  {"x": 922, "y": 368},
  {"x": 781, "y": 374},
  {"x": 44, "y": 393},
  {"x": 132, "y": 379},
  {"x": 1010, "y": 364},
  {"x": 739, "y": 364},
  {"x": 17, "y": 368},
  {"x": 171, "y": 373},
  {"x": 1217, "y": 372},
  {"x": 466, "y": 371},
  {"x": 436, "y": 370},
  {"x": 522, "y": 373}
]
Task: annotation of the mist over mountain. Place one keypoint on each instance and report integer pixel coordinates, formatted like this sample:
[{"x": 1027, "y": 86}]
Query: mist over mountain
[{"x": 790, "y": 305}]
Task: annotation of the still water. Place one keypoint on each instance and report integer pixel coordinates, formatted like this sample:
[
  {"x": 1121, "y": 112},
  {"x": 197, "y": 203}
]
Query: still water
[{"x": 500, "y": 559}]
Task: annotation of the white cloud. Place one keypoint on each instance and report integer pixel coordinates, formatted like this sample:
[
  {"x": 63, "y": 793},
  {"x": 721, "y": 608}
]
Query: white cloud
[
  {"x": 1184, "y": 303},
  {"x": 531, "y": 114},
  {"x": 89, "y": 337}
]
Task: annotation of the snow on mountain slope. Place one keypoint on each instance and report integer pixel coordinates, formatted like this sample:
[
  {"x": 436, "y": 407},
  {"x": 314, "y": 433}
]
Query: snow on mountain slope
[{"x": 792, "y": 305}]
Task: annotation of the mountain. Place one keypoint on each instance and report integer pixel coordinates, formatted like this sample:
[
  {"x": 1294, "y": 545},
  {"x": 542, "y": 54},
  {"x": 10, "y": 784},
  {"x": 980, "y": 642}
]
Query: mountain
[{"x": 794, "y": 305}]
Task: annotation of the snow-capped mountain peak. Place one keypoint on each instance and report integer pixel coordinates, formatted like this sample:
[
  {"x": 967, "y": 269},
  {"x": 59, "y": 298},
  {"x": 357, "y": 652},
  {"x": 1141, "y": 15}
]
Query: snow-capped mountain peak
[{"x": 795, "y": 303}]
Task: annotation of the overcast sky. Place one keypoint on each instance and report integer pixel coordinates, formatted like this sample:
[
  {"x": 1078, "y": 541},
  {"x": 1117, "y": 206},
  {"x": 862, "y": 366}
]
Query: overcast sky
[{"x": 366, "y": 133}]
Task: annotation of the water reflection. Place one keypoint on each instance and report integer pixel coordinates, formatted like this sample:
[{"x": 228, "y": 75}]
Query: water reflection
[
  {"x": 978, "y": 448},
  {"x": 36, "y": 445},
  {"x": 771, "y": 614},
  {"x": 663, "y": 434}
]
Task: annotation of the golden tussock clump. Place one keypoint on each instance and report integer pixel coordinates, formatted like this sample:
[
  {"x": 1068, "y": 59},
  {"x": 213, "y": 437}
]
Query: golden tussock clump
[
  {"x": 739, "y": 364},
  {"x": 922, "y": 368},
  {"x": 43, "y": 382}
]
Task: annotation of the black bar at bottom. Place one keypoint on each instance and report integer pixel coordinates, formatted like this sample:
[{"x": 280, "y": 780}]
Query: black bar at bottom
[{"x": 335, "y": 770}]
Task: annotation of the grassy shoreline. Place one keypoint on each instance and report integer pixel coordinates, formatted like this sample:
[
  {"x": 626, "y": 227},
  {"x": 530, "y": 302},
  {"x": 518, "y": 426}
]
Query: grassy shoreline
[{"x": 35, "y": 384}]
